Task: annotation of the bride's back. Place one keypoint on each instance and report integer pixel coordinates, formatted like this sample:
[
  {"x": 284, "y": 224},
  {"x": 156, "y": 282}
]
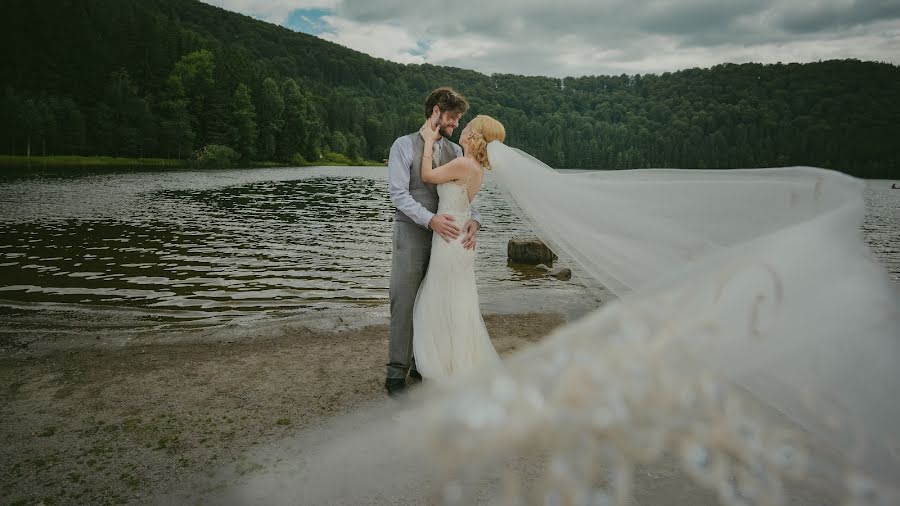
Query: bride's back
[{"x": 454, "y": 199}]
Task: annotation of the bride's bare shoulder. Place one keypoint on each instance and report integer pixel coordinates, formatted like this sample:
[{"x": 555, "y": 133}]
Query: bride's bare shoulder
[
  {"x": 463, "y": 164},
  {"x": 471, "y": 163}
]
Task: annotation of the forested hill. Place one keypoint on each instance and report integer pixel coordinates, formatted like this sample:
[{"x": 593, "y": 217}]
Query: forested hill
[{"x": 163, "y": 78}]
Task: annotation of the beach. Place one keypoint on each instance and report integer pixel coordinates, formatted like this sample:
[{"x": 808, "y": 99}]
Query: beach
[
  {"x": 121, "y": 423},
  {"x": 156, "y": 422}
]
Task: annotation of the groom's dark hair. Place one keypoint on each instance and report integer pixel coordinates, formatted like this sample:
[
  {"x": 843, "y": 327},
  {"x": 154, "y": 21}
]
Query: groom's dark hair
[{"x": 447, "y": 100}]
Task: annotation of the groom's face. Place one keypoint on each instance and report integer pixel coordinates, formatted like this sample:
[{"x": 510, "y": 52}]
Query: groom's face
[{"x": 447, "y": 121}]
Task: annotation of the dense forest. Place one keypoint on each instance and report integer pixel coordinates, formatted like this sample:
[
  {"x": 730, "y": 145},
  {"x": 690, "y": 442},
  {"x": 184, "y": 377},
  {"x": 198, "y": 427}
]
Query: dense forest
[{"x": 164, "y": 78}]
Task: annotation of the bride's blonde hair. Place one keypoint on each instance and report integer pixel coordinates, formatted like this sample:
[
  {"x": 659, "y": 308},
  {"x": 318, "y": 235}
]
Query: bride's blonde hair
[{"x": 484, "y": 130}]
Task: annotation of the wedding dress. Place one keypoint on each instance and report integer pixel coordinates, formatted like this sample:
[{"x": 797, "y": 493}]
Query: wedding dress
[{"x": 449, "y": 336}]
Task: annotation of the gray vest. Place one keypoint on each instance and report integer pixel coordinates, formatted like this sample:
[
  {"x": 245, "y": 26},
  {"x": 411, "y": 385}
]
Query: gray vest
[{"x": 424, "y": 193}]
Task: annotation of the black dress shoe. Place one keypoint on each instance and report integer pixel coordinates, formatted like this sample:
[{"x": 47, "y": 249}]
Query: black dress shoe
[
  {"x": 394, "y": 386},
  {"x": 414, "y": 374}
]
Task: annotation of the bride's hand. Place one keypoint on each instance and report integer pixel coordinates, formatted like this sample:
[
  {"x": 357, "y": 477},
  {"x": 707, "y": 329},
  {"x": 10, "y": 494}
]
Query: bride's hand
[{"x": 428, "y": 132}]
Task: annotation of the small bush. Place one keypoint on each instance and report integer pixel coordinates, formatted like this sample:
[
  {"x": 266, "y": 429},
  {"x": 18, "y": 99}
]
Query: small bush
[
  {"x": 332, "y": 158},
  {"x": 214, "y": 156}
]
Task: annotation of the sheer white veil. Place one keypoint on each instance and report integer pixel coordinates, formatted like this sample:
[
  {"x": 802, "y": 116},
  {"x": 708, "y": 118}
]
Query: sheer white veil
[
  {"x": 759, "y": 275},
  {"x": 754, "y": 338}
]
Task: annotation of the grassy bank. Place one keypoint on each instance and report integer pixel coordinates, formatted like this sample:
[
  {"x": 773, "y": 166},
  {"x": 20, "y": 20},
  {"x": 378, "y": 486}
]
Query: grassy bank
[
  {"x": 24, "y": 162},
  {"x": 37, "y": 162},
  {"x": 357, "y": 163}
]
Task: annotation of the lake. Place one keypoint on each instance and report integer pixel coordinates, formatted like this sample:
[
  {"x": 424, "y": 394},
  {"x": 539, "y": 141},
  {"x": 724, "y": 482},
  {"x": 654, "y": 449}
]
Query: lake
[
  {"x": 137, "y": 252},
  {"x": 176, "y": 249}
]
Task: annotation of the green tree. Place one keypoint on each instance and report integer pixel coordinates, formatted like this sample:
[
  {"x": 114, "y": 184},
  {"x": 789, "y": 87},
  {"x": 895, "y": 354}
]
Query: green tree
[
  {"x": 70, "y": 134},
  {"x": 270, "y": 110},
  {"x": 176, "y": 133},
  {"x": 125, "y": 121},
  {"x": 338, "y": 142},
  {"x": 195, "y": 73},
  {"x": 35, "y": 120},
  {"x": 243, "y": 123},
  {"x": 300, "y": 123}
]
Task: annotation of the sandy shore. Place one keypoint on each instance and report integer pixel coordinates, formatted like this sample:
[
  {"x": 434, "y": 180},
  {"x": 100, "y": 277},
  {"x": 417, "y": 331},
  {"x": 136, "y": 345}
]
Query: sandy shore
[
  {"x": 120, "y": 424},
  {"x": 136, "y": 423}
]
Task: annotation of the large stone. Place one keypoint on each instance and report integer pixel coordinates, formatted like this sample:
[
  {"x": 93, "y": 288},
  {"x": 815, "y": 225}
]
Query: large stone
[{"x": 529, "y": 250}]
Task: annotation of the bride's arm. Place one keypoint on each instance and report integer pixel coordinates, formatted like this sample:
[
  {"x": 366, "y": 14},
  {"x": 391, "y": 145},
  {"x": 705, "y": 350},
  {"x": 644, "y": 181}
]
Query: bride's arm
[{"x": 451, "y": 171}]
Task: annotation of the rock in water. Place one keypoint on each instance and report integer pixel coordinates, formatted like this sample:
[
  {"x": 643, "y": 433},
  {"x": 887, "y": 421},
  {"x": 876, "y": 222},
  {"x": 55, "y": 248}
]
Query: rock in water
[
  {"x": 542, "y": 268},
  {"x": 561, "y": 273},
  {"x": 529, "y": 250}
]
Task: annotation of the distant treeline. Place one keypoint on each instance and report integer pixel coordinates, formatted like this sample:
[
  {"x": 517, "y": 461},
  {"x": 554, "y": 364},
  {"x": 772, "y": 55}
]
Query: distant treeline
[{"x": 164, "y": 78}]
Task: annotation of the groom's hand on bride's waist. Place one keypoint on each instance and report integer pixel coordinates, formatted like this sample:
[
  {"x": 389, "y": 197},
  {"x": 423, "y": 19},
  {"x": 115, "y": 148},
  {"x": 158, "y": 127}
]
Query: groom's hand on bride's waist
[
  {"x": 471, "y": 230},
  {"x": 444, "y": 226}
]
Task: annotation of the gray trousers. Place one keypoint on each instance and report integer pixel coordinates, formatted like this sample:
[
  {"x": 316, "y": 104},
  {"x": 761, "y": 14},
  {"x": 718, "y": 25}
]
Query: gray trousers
[{"x": 410, "y": 253}]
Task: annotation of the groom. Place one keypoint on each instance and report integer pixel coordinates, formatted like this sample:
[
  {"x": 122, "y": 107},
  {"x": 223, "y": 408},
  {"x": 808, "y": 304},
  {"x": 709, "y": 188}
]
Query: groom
[{"x": 414, "y": 224}]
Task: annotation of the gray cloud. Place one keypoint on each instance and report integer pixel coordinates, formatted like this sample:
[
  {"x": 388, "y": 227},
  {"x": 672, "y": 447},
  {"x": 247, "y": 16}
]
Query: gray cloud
[
  {"x": 693, "y": 17},
  {"x": 828, "y": 17},
  {"x": 584, "y": 37}
]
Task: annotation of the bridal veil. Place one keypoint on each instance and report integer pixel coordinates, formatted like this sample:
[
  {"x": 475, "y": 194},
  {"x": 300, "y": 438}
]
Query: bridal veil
[{"x": 754, "y": 343}]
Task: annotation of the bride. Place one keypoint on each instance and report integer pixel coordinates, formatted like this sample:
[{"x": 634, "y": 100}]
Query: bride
[{"x": 449, "y": 333}]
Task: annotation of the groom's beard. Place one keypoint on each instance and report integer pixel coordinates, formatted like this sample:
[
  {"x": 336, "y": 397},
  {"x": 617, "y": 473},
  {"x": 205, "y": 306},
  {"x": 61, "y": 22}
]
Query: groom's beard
[{"x": 443, "y": 131}]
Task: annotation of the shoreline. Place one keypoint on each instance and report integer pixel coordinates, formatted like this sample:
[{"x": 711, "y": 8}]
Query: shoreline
[
  {"x": 32, "y": 336},
  {"x": 122, "y": 424},
  {"x": 26, "y": 164}
]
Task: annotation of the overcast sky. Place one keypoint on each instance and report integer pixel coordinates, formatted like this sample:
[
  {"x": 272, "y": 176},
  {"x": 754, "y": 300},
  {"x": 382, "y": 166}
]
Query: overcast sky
[{"x": 594, "y": 37}]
